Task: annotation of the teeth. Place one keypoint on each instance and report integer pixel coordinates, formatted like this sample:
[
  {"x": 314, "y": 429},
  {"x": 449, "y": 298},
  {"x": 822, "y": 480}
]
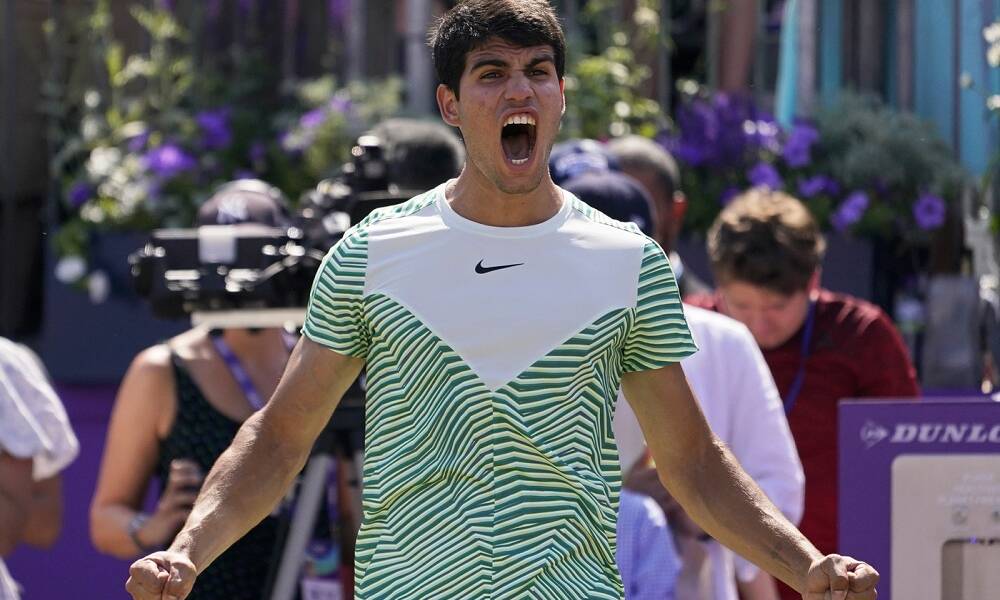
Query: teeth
[
  {"x": 521, "y": 119},
  {"x": 519, "y": 161}
]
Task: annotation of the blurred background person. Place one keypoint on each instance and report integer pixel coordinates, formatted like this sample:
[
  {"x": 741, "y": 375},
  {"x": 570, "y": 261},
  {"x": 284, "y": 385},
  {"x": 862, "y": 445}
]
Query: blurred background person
[
  {"x": 653, "y": 167},
  {"x": 647, "y": 557},
  {"x": 178, "y": 408},
  {"x": 420, "y": 154},
  {"x": 737, "y": 395},
  {"x": 822, "y": 347},
  {"x": 36, "y": 443}
]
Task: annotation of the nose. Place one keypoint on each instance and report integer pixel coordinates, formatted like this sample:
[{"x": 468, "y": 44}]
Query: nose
[{"x": 518, "y": 87}]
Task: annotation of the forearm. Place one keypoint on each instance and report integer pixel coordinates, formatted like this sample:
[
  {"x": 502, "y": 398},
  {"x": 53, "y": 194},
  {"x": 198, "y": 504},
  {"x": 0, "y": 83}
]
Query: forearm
[
  {"x": 12, "y": 518},
  {"x": 15, "y": 499},
  {"x": 242, "y": 488},
  {"x": 109, "y": 531},
  {"x": 45, "y": 513},
  {"x": 726, "y": 503}
]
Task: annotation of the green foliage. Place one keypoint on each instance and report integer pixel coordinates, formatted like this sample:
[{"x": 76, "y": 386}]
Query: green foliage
[
  {"x": 144, "y": 143},
  {"x": 866, "y": 145},
  {"x": 603, "y": 98}
]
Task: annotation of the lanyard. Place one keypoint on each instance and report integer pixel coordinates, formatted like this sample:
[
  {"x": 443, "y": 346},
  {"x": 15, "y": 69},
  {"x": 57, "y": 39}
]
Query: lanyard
[
  {"x": 239, "y": 373},
  {"x": 800, "y": 375}
]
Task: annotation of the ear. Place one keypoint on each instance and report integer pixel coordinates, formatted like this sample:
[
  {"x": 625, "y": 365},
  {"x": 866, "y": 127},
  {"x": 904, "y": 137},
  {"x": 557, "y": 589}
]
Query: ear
[
  {"x": 448, "y": 105},
  {"x": 562, "y": 93}
]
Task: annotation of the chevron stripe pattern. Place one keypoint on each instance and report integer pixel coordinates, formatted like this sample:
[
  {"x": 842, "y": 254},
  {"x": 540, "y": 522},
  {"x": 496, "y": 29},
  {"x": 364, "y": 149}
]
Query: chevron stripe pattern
[{"x": 489, "y": 494}]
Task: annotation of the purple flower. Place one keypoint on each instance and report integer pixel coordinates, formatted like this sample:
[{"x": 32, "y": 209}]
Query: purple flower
[
  {"x": 798, "y": 145},
  {"x": 850, "y": 211},
  {"x": 763, "y": 133},
  {"x": 245, "y": 175},
  {"x": 313, "y": 118},
  {"x": 816, "y": 185},
  {"x": 215, "y": 132},
  {"x": 246, "y": 5},
  {"x": 929, "y": 211},
  {"x": 728, "y": 194},
  {"x": 169, "y": 160},
  {"x": 166, "y": 4},
  {"x": 79, "y": 193},
  {"x": 293, "y": 143},
  {"x": 138, "y": 143},
  {"x": 340, "y": 104},
  {"x": 765, "y": 175},
  {"x": 720, "y": 131}
]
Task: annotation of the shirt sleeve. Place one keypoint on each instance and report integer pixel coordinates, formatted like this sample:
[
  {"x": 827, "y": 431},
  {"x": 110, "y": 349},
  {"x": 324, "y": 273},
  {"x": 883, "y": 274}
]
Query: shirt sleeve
[
  {"x": 659, "y": 335},
  {"x": 335, "y": 315},
  {"x": 33, "y": 422}
]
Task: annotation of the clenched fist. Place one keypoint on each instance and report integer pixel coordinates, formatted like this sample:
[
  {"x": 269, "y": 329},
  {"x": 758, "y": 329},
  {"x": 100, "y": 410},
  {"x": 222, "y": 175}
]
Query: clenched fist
[
  {"x": 161, "y": 576},
  {"x": 836, "y": 577}
]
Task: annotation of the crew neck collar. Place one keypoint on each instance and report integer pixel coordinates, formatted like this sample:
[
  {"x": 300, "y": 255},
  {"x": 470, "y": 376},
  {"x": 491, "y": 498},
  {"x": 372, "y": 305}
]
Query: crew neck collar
[{"x": 457, "y": 221}]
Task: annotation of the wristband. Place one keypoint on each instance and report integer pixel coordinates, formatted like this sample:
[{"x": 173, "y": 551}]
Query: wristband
[{"x": 133, "y": 532}]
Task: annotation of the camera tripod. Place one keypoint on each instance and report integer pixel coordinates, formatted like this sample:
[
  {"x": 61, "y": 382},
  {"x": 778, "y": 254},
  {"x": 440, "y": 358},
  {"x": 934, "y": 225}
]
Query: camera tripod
[{"x": 344, "y": 434}]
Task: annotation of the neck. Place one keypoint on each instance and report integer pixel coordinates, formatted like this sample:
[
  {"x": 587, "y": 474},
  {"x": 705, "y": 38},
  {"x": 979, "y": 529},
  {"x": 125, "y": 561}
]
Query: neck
[{"x": 475, "y": 198}]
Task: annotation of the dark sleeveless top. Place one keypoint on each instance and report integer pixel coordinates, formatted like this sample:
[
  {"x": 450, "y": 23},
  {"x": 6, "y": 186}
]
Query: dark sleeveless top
[{"x": 201, "y": 433}]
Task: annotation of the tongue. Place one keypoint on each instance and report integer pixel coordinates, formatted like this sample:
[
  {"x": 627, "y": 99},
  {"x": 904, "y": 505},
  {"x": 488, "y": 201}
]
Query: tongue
[{"x": 516, "y": 145}]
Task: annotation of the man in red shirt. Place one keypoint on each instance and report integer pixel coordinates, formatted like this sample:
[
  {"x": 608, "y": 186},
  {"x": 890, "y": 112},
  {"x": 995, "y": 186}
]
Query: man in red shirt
[{"x": 766, "y": 250}]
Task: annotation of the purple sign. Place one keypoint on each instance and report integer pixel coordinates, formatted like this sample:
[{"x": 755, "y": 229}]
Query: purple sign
[{"x": 913, "y": 482}]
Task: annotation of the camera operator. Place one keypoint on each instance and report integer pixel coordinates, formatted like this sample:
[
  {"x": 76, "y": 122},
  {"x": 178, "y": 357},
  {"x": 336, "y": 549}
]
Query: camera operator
[
  {"x": 419, "y": 154},
  {"x": 177, "y": 409}
]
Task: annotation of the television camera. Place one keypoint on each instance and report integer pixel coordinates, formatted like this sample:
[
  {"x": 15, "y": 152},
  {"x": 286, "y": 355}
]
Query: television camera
[{"x": 260, "y": 275}]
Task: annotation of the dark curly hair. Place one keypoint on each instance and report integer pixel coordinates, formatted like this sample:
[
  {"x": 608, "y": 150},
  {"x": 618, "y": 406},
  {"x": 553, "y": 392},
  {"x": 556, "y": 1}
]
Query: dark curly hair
[{"x": 472, "y": 23}]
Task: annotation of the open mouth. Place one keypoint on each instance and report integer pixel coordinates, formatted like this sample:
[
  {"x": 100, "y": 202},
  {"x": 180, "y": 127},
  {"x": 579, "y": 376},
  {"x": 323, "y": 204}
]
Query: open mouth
[{"x": 518, "y": 138}]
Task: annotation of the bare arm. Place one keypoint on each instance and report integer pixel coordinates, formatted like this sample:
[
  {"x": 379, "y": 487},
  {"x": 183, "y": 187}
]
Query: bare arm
[
  {"x": 255, "y": 471},
  {"x": 703, "y": 476},
  {"x": 267, "y": 453},
  {"x": 45, "y": 514},
  {"x": 15, "y": 499},
  {"x": 131, "y": 449}
]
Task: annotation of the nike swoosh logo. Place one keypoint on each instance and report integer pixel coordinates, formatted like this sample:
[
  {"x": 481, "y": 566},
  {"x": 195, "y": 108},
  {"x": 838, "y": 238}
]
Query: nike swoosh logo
[{"x": 481, "y": 269}]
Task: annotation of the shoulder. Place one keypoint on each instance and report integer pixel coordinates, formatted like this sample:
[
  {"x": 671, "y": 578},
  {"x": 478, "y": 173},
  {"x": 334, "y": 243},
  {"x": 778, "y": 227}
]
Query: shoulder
[
  {"x": 852, "y": 317},
  {"x": 602, "y": 225},
  {"x": 155, "y": 364},
  {"x": 706, "y": 301},
  {"x": 715, "y": 330},
  {"x": 719, "y": 324},
  {"x": 352, "y": 248},
  {"x": 396, "y": 211},
  {"x": 599, "y": 220}
]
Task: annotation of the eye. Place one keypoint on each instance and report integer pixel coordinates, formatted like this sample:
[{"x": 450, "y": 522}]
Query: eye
[
  {"x": 490, "y": 75},
  {"x": 539, "y": 73}
]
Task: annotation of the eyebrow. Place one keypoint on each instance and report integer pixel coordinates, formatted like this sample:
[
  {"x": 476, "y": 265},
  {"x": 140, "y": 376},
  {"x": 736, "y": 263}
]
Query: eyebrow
[{"x": 498, "y": 62}]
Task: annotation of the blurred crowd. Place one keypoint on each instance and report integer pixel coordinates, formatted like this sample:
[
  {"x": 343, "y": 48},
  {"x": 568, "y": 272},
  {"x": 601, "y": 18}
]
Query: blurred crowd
[{"x": 777, "y": 353}]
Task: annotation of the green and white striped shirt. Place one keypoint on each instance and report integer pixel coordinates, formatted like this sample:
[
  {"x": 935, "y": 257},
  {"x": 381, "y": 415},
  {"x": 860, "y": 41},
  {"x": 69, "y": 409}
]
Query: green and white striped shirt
[{"x": 493, "y": 358}]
